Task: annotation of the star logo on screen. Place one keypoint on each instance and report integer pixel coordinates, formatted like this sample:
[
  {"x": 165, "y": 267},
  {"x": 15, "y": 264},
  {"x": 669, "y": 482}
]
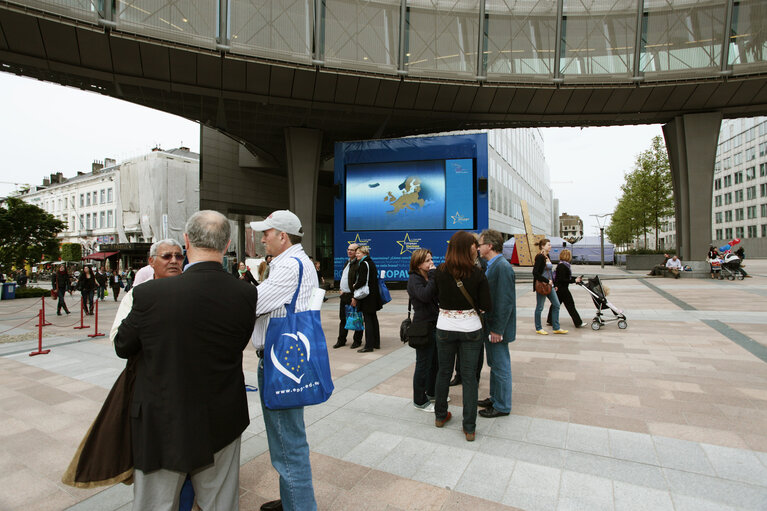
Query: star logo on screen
[
  {"x": 458, "y": 218},
  {"x": 359, "y": 241},
  {"x": 408, "y": 244}
]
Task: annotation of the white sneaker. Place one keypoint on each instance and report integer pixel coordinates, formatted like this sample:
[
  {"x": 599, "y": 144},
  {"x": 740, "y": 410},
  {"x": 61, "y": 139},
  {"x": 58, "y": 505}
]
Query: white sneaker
[{"x": 428, "y": 407}]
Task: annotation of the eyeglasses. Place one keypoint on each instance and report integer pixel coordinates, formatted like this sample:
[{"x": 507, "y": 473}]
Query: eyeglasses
[{"x": 169, "y": 255}]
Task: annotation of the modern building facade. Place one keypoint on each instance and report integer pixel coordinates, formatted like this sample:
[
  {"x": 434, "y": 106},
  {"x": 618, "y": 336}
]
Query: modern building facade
[
  {"x": 740, "y": 184},
  {"x": 135, "y": 202}
]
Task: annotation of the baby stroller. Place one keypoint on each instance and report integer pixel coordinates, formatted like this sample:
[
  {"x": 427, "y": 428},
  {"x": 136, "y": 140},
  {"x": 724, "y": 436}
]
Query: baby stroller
[
  {"x": 731, "y": 267},
  {"x": 594, "y": 287}
]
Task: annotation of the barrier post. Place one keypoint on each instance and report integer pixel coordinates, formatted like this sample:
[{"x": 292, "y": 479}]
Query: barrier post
[
  {"x": 82, "y": 307},
  {"x": 96, "y": 324},
  {"x": 40, "y": 350},
  {"x": 44, "y": 322}
]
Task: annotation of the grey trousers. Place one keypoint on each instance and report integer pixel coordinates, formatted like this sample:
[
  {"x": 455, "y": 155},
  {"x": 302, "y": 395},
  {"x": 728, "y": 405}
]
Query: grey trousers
[{"x": 216, "y": 487}]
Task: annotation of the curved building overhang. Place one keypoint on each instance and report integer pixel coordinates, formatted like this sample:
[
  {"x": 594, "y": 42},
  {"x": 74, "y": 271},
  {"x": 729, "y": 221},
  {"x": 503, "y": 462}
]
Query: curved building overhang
[{"x": 423, "y": 80}]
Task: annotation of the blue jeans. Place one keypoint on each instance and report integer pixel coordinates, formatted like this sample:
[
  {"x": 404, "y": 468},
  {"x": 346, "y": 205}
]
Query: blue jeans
[
  {"x": 449, "y": 344},
  {"x": 425, "y": 374},
  {"x": 499, "y": 360},
  {"x": 289, "y": 451},
  {"x": 540, "y": 300}
]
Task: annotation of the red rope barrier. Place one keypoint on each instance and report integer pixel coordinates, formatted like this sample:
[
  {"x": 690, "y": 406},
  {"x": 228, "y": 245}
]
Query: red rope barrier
[
  {"x": 44, "y": 322},
  {"x": 96, "y": 323},
  {"x": 17, "y": 311},
  {"x": 17, "y": 326},
  {"x": 82, "y": 307},
  {"x": 40, "y": 350}
]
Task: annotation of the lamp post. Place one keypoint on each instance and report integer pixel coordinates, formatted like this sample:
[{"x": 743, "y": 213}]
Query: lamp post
[{"x": 601, "y": 222}]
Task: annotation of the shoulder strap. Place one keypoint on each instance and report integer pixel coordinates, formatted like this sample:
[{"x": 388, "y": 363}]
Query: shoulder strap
[
  {"x": 408, "y": 308},
  {"x": 298, "y": 288},
  {"x": 459, "y": 283}
]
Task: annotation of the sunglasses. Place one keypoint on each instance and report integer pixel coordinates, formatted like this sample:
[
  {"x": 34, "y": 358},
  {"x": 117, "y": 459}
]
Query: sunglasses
[{"x": 168, "y": 256}]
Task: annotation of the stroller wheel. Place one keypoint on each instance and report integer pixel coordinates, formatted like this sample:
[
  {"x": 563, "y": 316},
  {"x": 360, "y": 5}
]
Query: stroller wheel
[
  {"x": 595, "y": 325},
  {"x": 730, "y": 277},
  {"x": 740, "y": 276},
  {"x": 622, "y": 324}
]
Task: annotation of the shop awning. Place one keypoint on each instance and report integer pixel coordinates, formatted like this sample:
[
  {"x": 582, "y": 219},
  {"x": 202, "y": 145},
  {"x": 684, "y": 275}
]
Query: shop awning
[{"x": 100, "y": 256}]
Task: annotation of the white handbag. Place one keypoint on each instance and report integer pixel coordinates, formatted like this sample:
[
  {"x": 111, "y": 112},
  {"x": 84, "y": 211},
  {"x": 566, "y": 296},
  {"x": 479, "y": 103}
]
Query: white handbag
[{"x": 364, "y": 291}]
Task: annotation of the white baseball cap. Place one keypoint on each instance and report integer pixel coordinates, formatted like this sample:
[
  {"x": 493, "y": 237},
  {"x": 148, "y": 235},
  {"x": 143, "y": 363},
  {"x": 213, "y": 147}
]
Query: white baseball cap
[{"x": 282, "y": 220}]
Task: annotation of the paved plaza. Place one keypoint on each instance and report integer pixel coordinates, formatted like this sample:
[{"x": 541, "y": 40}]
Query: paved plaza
[{"x": 670, "y": 414}]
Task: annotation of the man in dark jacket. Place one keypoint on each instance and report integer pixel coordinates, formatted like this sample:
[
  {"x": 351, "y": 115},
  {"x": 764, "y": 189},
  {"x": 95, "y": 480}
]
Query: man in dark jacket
[
  {"x": 500, "y": 324},
  {"x": 189, "y": 406},
  {"x": 348, "y": 278},
  {"x": 370, "y": 303}
]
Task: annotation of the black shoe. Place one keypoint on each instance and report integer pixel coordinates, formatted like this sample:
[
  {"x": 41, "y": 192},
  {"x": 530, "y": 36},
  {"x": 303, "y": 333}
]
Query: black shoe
[
  {"x": 365, "y": 350},
  {"x": 339, "y": 344},
  {"x": 492, "y": 412},
  {"x": 455, "y": 381},
  {"x": 485, "y": 403},
  {"x": 355, "y": 345},
  {"x": 58, "y": 313},
  {"x": 66, "y": 311},
  {"x": 273, "y": 505}
]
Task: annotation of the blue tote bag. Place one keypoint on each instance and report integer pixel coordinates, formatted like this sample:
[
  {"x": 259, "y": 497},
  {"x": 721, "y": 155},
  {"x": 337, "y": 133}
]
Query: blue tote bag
[{"x": 296, "y": 365}]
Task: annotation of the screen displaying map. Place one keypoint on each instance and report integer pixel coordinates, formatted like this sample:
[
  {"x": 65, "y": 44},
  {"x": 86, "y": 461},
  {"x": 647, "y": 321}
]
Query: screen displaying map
[{"x": 414, "y": 195}]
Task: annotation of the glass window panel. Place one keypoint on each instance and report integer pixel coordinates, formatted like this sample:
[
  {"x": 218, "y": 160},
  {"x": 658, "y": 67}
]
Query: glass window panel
[
  {"x": 748, "y": 32},
  {"x": 520, "y": 38},
  {"x": 273, "y": 28},
  {"x": 362, "y": 34},
  {"x": 78, "y": 9},
  {"x": 598, "y": 37},
  {"x": 442, "y": 37},
  {"x": 681, "y": 35},
  {"x": 192, "y": 22}
]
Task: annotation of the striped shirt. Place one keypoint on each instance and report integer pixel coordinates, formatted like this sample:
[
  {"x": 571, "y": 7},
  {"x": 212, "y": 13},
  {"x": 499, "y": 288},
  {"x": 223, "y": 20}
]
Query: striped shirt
[{"x": 278, "y": 290}]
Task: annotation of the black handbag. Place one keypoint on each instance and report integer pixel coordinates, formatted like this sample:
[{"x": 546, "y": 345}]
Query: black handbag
[
  {"x": 405, "y": 325},
  {"x": 419, "y": 334}
]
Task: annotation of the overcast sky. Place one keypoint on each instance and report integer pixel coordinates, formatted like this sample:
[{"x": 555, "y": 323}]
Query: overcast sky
[{"x": 47, "y": 128}]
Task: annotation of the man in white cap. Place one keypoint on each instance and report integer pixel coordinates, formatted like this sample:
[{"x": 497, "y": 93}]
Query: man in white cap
[{"x": 285, "y": 429}]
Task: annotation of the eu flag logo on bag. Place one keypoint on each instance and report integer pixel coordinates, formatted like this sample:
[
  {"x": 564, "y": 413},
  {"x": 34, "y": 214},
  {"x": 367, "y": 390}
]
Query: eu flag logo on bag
[{"x": 293, "y": 357}]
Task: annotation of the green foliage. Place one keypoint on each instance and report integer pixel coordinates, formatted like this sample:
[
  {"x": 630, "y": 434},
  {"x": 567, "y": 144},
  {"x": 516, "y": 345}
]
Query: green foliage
[
  {"x": 31, "y": 292},
  {"x": 71, "y": 252},
  {"x": 27, "y": 233},
  {"x": 647, "y": 197}
]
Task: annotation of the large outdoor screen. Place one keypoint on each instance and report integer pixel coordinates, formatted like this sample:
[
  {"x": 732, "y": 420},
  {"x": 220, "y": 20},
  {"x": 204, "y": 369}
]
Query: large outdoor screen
[{"x": 411, "y": 195}]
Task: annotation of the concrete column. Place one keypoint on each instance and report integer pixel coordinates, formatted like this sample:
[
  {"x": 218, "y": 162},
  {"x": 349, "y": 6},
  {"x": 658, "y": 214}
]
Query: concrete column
[
  {"x": 691, "y": 141},
  {"x": 303, "y": 159}
]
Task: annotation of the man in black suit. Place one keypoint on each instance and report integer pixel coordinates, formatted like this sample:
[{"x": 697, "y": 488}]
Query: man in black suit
[{"x": 189, "y": 405}]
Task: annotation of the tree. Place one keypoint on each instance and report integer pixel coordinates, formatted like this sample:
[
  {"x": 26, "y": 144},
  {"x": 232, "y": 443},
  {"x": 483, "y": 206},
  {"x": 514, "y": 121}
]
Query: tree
[
  {"x": 647, "y": 197},
  {"x": 27, "y": 233},
  {"x": 71, "y": 252}
]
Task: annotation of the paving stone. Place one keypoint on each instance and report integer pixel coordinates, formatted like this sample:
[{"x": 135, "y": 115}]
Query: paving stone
[
  {"x": 589, "y": 439},
  {"x": 486, "y": 476},
  {"x": 547, "y": 432},
  {"x": 533, "y": 487},
  {"x": 736, "y": 464},
  {"x": 687, "y": 503},
  {"x": 731, "y": 493},
  {"x": 631, "y": 446},
  {"x": 513, "y": 427},
  {"x": 406, "y": 458},
  {"x": 583, "y": 492},
  {"x": 629, "y": 497},
  {"x": 444, "y": 466},
  {"x": 372, "y": 450},
  {"x": 620, "y": 470},
  {"x": 682, "y": 455}
]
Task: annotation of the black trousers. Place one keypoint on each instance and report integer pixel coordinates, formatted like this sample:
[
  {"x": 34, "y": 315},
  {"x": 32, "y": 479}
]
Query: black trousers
[
  {"x": 115, "y": 291},
  {"x": 566, "y": 300},
  {"x": 372, "y": 333},
  {"x": 346, "y": 299},
  {"x": 62, "y": 304}
]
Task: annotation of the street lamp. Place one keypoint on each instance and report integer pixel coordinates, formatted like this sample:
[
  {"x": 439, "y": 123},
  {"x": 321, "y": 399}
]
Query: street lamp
[{"x": 601, "y": 222}]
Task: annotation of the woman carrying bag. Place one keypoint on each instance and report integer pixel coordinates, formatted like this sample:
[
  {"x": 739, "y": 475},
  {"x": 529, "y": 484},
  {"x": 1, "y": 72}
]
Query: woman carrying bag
[
  {"x": 463, "y": 294},
  {"x": 543, "y": 285},
  {"x": 367, "y": 299},
  {"x": 423, "y": 296}
]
